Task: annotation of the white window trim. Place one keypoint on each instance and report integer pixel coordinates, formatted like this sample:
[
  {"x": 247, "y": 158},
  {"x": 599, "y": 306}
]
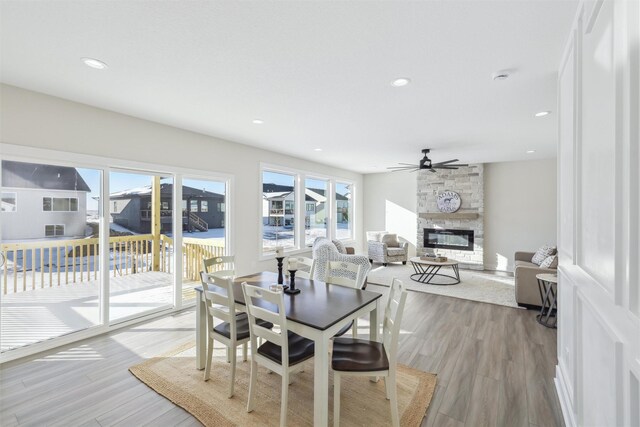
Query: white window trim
[
  {"x": 54, "y": 197},
  {"x": 15, "y": 197},
  {"x": 300, "y": 185},
  {"x": 105, "y": 165},
  {"x": 54, "y": 229}
]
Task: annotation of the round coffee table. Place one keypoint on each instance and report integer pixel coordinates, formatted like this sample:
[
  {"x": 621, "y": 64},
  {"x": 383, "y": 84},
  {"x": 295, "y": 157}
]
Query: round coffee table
[{"x": 426, "y": 271}]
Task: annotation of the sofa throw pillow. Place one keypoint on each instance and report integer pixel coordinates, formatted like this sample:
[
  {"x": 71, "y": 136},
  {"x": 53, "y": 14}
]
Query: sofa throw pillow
[
  {"x": 391, "y": 240},
  {"x": 340, "y": 246},
  {"x": 542, "y": 253},
  {"x": 550, "y": 262}
]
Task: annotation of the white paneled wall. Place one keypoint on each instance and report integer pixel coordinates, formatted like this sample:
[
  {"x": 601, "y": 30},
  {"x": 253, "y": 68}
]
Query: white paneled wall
[{"x": 598, "y": 373}]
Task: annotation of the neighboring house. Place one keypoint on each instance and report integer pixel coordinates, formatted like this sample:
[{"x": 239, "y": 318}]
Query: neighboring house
[
  {"x": 41, "y": 201},
  {"x": 278, "y": 206},
  {"x": 201, "y": 210}
]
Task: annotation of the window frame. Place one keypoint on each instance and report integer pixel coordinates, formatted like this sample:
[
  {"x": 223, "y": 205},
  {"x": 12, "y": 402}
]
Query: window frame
[
  {"x": 55, "y": 226},
  {"x": 300, "y": 177},
  {"x": 68, "y": 199},
  {"x": 15, "y": 200}
]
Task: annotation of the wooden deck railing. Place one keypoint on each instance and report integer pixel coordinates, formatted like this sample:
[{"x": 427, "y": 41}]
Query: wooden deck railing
[{"x": 33, "y": 265}]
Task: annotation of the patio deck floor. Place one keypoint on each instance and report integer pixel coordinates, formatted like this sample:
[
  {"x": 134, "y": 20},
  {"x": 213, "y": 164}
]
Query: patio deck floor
[{"x": 41, "y": 314}]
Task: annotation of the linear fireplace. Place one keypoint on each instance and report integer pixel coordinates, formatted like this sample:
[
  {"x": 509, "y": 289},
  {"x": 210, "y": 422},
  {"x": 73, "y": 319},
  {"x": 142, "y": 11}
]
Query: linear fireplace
[{"x": 438, "y": 238}]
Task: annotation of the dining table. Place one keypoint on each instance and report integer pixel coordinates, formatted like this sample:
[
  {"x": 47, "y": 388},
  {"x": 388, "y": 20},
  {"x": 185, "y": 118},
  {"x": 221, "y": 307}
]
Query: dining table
[{"x": 317, "y": 313}]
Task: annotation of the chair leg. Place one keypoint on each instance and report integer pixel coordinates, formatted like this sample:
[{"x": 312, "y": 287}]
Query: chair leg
[
  {"x": 336, "y": 399},
  {"x": 228, "y": 354},
  {"x": 208, "y": 361},
  {"x": 393, "y": 398},
  {"x": 355, "y": 328},
  {"x": 404, "y": 262},
  {"x": 244, "y": 352},
  {"x": 387, "y": 389},
  {"x": 252, "y": 385},
  {"x": 285, "y": 397},
  {"x": 233, "y": 370}
]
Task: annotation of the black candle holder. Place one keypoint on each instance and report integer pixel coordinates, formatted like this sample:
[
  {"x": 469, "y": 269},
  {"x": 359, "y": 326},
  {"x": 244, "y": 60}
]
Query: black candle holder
[
  {"x": 280, "y": 278},
  {"x": 292, "y": 284}
]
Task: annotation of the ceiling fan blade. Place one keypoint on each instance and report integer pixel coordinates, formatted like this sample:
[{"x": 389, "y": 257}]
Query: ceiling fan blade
[
  {"x": 448, "y": 161},
  {"x": 408, "y": 164},
  {"x": 444, "y": 167},
  {"x": 401, "y": 167}
]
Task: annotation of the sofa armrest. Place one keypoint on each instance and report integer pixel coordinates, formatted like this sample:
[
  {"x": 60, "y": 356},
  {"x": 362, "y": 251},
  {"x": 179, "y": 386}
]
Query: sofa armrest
[
  {"x": 377, "y": 251},
  {"x": 524, "y": 256}
]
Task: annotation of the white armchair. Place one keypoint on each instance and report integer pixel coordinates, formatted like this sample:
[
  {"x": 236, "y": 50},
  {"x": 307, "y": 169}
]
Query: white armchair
[
  {"x": 325, "y": 250},
  {"x": 385, "y": 247}
]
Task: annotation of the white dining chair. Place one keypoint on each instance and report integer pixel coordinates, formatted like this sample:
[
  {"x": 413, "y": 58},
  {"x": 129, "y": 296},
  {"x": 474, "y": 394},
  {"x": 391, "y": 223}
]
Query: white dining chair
[
  {"x": 359, "y": 357},
  {"x": 233, "y": 331},
  {"x": 282, "y": 352},
  {"x": 223, "y": 266},
  {"x": 306, "y": 267},
  {"x": 345, "y": 274}
]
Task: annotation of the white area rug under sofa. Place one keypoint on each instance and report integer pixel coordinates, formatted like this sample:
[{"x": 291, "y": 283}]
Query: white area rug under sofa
[{"x": 474, "y": 285}]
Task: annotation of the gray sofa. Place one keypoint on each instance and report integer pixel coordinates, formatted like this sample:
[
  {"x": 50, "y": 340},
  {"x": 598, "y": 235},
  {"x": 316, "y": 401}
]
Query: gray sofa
[{"x": 527, "y": 293}]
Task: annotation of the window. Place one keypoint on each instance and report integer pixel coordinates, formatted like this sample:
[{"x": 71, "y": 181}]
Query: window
[
  {"x": 315, "y": 219},
  {"x": 344, "y": 210},
  {"x": 53, "y": 230},
  {"x": 278, "y": 210},
  {"x": 204, "y": 206},
  {"x": 60, "y": 204},
  {"x": 165, "y": 206},
  {"x": 193, "y": 205},
  {"x": 221, "y": 207},
  {"x": 9, "y": 202}
]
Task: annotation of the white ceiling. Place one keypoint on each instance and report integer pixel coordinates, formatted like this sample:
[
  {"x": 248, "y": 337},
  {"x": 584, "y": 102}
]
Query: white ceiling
[{"x": 318, "y": 73}]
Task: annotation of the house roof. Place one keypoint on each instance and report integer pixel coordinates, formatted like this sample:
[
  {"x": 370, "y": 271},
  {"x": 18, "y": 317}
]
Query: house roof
[
  {"x": 273, "y": 191},
  {"x": 166, "y": 189},
  {"x": 34, "y": 175}
]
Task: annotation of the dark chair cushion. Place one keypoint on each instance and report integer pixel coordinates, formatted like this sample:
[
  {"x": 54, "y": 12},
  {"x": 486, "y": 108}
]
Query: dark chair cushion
[
  {"x": 354, "y": 355},
  {"x": 242, "y": 327},
  {"x": 344, "y": 329},
  {"x": 300, "y": 349}
]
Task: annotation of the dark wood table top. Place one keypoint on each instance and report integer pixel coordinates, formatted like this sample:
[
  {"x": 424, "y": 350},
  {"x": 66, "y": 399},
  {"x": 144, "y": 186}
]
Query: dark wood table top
[{"x": 317, "y": 305}]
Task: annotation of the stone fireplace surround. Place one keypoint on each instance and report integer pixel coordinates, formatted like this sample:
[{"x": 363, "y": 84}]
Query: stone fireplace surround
[{"x": 469, "y": 183}]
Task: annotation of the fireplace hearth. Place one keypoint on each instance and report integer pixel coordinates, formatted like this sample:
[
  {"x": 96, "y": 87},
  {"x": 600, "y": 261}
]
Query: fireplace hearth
[{"x": 436, "y": 238}]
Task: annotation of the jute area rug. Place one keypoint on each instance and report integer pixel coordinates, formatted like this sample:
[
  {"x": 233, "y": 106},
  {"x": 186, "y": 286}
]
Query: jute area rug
[
  {"x": 175, "y": 377},
  {"x": 474, "y": 285}
]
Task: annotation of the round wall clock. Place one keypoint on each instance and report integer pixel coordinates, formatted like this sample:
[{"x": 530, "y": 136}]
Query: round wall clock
[{"x": 448, "y": 201}]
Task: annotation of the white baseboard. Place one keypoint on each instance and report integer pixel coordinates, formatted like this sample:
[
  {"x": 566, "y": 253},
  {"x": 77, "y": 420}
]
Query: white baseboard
[{"x": 563, "y": 396}]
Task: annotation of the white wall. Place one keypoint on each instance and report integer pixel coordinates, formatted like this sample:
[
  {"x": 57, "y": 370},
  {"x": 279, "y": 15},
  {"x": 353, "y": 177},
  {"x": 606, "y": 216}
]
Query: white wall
[
  {"x": 390, "y": 204},
  {"x": 514, "y": 219},
  {"x": 36, "y": 120},
  {"x": 519, "y": 209},
  {"x": 598, "y": 372}
]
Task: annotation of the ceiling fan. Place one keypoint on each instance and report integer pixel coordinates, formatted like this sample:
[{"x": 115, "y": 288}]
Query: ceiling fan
[{"x": 425, "y": 163}]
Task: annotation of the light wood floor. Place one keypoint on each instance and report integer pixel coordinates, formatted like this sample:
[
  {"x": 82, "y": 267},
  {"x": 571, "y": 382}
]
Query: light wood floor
[{"x": 495, "y": 366}]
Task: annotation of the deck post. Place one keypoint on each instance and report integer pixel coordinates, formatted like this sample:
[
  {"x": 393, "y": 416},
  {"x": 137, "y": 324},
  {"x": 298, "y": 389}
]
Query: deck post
[{"x": 155, "y": 222}]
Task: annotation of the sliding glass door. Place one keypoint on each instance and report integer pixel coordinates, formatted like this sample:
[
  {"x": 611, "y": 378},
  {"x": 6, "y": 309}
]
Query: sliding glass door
[
  {"x": 49, "y": 278},
  {"x": 204, "y": 210},
  {"x": 141, "y": 247}
]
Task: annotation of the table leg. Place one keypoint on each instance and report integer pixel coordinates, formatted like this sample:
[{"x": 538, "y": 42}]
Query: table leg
[
  {"x": 321, "y": 382},
  {"x": 201, "y": 332},
  {"x": 433, "y": 274}
]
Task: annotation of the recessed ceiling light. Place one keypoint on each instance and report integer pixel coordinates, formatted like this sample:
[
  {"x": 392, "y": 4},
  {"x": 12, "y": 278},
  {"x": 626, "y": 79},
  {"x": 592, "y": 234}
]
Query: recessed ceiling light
[
  {"x": 94, "y": 63},
  {"x": 531, "y": 151},
  {"x": 257, "y": 121},
  {"x": 402, "y": 81},
  {"x": 542, "y": 113},
  {"x": 317, "y": 149}
]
